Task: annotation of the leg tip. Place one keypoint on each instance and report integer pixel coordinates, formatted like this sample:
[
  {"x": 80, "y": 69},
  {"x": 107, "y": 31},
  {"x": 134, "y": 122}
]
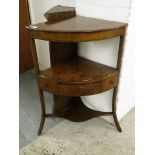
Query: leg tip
[
  {"x": 119, "y": 129},
  {"x": 39, "y": 133}
]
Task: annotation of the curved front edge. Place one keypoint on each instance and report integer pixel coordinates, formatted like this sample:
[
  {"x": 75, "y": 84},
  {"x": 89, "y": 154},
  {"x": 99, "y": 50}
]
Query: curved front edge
[{"x": 78, "y": 36}]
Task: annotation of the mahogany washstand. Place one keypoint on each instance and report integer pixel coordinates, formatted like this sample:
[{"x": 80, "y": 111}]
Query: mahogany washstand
[{"x": 71, "y": 76}]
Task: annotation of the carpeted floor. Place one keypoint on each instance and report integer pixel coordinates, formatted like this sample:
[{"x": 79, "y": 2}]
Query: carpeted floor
[
  {"x": 93, "y": 137},
  {"x": 29, "y": 109}
]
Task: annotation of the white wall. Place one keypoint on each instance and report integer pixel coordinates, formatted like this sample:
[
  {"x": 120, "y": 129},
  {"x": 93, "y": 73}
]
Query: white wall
[
  {"x": 101, "y": 51},
  {"x": 106, "y": 52},
  {"x": 37, "y": 10},
  {"x": 116, "y": 10}
]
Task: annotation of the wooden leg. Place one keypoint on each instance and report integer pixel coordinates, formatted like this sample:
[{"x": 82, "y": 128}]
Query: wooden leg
[
  {"x": 53, "y": 109},
  {"x": 42, "y": 101},
  {"x": 41, "y": 125},
  {"x": 119, "y": 65},
  {"x": 117, "y": 123},
  {"x": 114, "y": 107}
]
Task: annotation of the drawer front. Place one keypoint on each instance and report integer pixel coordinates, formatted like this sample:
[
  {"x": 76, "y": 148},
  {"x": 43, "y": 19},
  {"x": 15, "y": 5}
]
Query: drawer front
[
  {"x": 89, "y": 89},
  {"x": 79, "y": 89}
]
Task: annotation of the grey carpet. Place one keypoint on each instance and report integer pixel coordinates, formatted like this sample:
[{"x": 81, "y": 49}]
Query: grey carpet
[{"x": 29, "y": 109}]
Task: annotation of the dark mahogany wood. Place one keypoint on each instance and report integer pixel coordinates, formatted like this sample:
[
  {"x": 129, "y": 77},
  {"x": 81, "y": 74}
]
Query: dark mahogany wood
[{"x": 71, "y": 76}]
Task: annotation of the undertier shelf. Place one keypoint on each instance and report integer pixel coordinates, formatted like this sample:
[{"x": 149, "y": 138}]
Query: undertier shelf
[
  {"x": 78, "y": 77},
  {"x": 78, "y": 112}
]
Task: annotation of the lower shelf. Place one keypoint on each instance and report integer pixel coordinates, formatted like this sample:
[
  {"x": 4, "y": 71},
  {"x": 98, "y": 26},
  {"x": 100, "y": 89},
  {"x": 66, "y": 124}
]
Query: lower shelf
[
  {"x": 78, "y": 112},
  {"x": 78, "y": 77}
]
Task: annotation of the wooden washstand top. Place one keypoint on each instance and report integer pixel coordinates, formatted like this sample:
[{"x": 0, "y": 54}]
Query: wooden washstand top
[
  {"x": 72, "y": 28},
  {"x": 78, "y": 24}
]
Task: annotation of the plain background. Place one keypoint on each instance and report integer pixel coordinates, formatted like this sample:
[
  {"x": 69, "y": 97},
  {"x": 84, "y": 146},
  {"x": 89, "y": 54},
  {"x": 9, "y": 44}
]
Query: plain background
[{"x": 144, "y": 78}]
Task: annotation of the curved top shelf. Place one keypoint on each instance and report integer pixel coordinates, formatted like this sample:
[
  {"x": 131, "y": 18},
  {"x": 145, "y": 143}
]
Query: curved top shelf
[
  {"x": 64, "y": 26},
  {"x": 78, "y": 24}
]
